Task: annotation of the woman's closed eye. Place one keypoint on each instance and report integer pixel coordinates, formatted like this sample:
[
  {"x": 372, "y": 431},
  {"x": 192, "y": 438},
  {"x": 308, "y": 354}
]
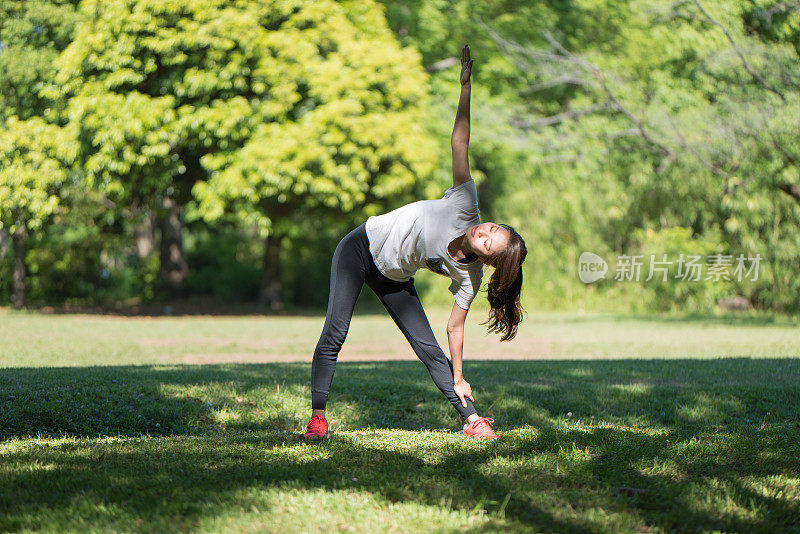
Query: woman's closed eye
[{"x": 485, "y": 243}]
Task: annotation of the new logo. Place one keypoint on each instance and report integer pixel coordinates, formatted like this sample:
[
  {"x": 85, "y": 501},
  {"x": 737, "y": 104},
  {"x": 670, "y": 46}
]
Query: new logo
[{"x": 591, "y": 267}]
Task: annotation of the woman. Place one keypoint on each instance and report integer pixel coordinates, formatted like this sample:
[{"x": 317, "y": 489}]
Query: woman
[{"x": 446, "y": 236}]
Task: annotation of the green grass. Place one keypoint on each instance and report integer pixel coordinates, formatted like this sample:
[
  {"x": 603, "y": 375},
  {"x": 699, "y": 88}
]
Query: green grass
[
  {"x": 28, "y": 339},
  {"x": 650, "y": 442}
]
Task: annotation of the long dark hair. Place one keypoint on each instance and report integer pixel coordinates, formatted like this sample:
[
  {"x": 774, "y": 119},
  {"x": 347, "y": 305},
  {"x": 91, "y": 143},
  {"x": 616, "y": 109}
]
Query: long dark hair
[{"x": 505, "y": 286}]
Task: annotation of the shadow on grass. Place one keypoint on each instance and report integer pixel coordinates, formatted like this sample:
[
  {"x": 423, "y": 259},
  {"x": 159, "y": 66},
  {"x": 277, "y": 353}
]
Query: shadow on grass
[{"x": 673, "y": 444}]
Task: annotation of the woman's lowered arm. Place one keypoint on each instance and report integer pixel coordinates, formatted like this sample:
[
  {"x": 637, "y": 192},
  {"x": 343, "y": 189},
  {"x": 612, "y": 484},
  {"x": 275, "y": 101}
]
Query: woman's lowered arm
[{"x": 455, "y": 340}]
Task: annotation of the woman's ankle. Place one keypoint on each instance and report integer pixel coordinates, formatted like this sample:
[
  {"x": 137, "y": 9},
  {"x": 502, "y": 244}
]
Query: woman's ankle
[
  {"x": 472, "y": 418},
  {"x": 317, "y": 412}
]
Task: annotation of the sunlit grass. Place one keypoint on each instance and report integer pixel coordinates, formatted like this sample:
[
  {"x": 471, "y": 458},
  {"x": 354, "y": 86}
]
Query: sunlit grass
[
  {"x": 647, "y": 444},
  {"x": 28, "y": 339}
]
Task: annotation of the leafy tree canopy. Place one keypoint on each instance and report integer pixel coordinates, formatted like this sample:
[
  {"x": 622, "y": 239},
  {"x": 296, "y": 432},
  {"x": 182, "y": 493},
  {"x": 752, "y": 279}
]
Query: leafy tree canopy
[{"x": 256, "y": 104}]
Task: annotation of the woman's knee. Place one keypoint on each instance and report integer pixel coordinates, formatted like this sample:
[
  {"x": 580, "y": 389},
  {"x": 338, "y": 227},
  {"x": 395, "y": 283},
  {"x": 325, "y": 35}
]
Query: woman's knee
[{"x": 330, "y": 342}]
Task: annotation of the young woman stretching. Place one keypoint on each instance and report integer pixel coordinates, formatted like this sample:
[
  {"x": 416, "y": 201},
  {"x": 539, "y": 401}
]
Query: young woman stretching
[{"x": 447, "y": 237}]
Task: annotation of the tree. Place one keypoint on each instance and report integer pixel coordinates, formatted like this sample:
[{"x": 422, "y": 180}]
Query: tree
[
  {"x": 697, "y": 105},
  {"x": 176, "y": 99},
  {"x": 360, "y": 148},
  {"x": 32, "y": 35},
  {"x": 34, "y": 158},
  {"x": 34, "y": 154},
  {"x": 607, "y": 118}
]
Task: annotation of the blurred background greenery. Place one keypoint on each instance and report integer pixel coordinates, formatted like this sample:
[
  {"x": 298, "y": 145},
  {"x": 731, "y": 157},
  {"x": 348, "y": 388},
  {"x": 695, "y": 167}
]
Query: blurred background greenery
[{"x": 154, "y": 151}]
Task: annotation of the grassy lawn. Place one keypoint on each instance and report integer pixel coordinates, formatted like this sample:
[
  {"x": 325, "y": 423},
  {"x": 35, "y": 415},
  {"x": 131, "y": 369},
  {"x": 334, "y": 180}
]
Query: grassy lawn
[{"x": 607, "y": 423}]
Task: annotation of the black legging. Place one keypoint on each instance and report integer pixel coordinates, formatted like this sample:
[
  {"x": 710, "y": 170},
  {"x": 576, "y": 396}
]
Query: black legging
[{"x": 353, "y": 265}]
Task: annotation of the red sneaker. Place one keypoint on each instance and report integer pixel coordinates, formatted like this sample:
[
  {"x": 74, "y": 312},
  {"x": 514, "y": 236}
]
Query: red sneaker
[
  {"x": 481, "y": 429},
  {"x": 317, "y": 428}
]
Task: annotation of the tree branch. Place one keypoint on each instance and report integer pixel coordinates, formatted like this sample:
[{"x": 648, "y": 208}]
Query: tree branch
[
  {"x": 565, "y": 79},
  {"x": 569, "y": 114},
  {"x": 662, "y": 149},
  {"x": 561, "y": 56},
  {"x": 781, "y": 8},
  {"x": 714, "y": 168},
  {"x": 747, "y": 66},
  {"x": 790, "y": 189},
  {"x": 441, "y": 64}
]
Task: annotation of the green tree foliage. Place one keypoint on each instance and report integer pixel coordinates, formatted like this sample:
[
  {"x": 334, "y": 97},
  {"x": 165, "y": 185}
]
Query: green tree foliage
[
  {"x": 616, "y": 118},
  {"x": 34, "y": 154},
  {"x": 630, "y": 127},
  {"x": 264, "y": 108},
  {"x": 34, "y": 157},
  {"x": 32, "y": 35},
  {"x": 32, "y": 170}
]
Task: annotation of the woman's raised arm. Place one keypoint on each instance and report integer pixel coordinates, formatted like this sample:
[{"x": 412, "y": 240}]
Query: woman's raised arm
[{"x": 459, "y": 141}]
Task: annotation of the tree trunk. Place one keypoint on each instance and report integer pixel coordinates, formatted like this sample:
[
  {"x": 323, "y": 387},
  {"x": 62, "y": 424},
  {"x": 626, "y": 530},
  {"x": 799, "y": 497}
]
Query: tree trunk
[
  {"x": 270, "y": 294},
  {"x": 5, "y": 241},
  {"x": 143, "y": 235},
  {"x": 173, "y": 268},
  {"x": 19, "y": 238}
]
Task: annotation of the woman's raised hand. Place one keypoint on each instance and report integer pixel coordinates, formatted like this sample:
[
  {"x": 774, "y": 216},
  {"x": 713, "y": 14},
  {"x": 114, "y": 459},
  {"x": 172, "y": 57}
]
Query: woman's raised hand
[{"x": 466, "y": 65}]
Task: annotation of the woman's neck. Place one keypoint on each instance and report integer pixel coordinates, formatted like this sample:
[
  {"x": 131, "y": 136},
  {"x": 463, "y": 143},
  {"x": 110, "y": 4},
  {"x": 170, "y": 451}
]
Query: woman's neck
[{"x": 464, "y": 251}]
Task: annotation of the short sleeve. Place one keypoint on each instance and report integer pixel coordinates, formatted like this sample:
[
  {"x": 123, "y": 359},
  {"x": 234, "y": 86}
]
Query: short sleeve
[
  {"x": 465, "y": 291},
  {"x": 463, "y": 197}
]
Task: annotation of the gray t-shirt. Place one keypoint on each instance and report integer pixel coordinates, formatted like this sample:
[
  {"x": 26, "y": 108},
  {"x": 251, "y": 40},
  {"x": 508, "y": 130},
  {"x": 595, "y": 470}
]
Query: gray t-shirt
[{"x": 417, "y": 235}]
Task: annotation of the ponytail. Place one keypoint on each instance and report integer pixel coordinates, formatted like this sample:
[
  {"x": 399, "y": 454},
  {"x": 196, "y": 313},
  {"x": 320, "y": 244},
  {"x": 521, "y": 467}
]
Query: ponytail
[{"x": 505, "y": 286}]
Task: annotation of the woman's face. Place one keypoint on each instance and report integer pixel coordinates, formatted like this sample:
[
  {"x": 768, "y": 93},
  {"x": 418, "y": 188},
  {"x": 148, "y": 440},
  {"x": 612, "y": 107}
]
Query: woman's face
[{"x": 487, "y": 239}]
